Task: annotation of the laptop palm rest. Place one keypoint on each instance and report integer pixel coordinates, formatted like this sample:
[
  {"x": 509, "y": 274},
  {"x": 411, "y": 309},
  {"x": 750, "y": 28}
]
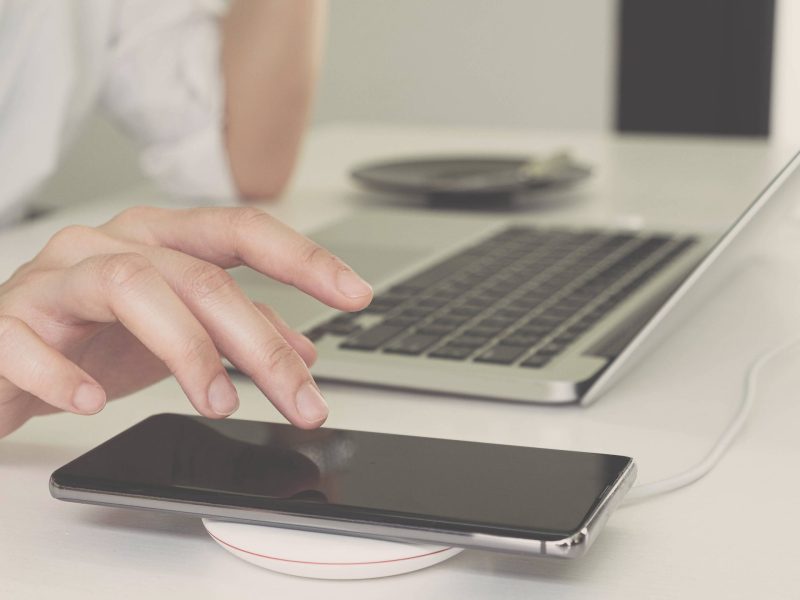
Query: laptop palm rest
[
  {"x": 374, "y": 263},
  {"x": 377, "y": 245}
]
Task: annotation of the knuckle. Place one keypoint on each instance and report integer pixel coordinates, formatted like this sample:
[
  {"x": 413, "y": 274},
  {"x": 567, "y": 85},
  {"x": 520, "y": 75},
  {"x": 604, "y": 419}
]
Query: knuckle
[
  {"x": 135, "y": 214},
  {"x": 247, "y": 225},
  {"x": 310, "y": 253},
  {"x": 132, "y": 223},
  {"x": 280, "y": 356},
  {"x": 10, "y": 329},
  {"x": 125, "y": 270},
  {"x": 69, "y": 237},
  {"x": 28, "y": 276},
  {"x": 198, "y": 349},
  {"x": 17, "y": 293},
  {"x": 21, "y": 295},
  {"x": 249, "y": 216},
  {"x": 206, "y": 281}
]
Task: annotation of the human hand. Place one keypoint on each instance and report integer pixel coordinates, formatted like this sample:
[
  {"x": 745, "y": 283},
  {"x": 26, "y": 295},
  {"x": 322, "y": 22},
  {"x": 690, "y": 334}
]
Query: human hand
[{"x": 102, "y": 312}]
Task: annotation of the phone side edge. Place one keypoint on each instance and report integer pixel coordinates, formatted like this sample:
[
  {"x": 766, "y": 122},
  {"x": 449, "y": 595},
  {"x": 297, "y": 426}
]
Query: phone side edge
[
  {"x": 480, "y": 541},
  {"x": 579, "y": 542},
  {"x": 573, "y": 546}
]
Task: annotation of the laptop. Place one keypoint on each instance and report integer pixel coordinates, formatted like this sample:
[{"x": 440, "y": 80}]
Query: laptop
[{"x": 511, "y": 309}]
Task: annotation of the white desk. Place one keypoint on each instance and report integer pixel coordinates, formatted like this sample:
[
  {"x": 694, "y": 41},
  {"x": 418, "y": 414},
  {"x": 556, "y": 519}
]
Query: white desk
[{"x": 732, "y": 535}]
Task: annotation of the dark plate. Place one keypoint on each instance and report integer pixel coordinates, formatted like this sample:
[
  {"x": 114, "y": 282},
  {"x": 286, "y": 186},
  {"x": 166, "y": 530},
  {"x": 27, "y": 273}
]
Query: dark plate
[{"x": 469, "y": 174}]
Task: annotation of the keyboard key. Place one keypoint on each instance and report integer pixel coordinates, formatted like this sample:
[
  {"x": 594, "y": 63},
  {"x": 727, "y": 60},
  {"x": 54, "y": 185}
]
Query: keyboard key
[
  {"x": 577, "y": 329},
  {"x": 501, "y": 354},
  {"x": 458, "y": 286},
  {"x": 452, "y": 352},
  {"x": 565, "y": 338},
  {"x": 552, "y": 314},
  {"x": 536, "y": 361},
  {"x": 392, "y": 298},
  {"x": 438, "y": 272},
  {"x": 432, "y": 301},
  {"x": 498, "y": 322},
  {"x": 435, "y": 329},
  {"x": 558, "y": 313},
  {"x": 412, "y": 344},
  {"x": 481, "y": 302},
  {"x": 589, "y": 319},
  {"x": 469, "y": 341},
  {"x": 514, "y": 313},
  {"x": 401, "y": 321},
  {"x": 465, "y": 311},
  {"x": 372, "y": 338},
  {"x": 550, "y": 349},
  {"x": 571, "y": 304},
  {"x": 447, "y": 291},
  {"x": 403, "y": 291},
  {"x": 524, "y": 341},
  {"x": 528, "y": 308},
  {"x": 505, "y": 287},
  {"x": 451, "y": 321},
  {"x": 493, "y": 294},
  {"x": 418, "y": 312},
  {"x": 342, "y": 325},
  {"x": 315, "y": 334},
  {"x": 540, "y": 325},
  {"x": 483, "y": 331},
  {"x": 535, "y": 329},
  {"x": 377, "y": 307}
]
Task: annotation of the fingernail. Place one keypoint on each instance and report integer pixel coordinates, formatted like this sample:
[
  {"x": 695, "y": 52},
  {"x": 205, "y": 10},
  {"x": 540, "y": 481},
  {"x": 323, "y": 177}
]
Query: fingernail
[
  {"x": 310, "y": 404},
  {"x": 222, "y": 396},
  {"x": 89, "y": 398},
  {"x": 351, "y": 285}
]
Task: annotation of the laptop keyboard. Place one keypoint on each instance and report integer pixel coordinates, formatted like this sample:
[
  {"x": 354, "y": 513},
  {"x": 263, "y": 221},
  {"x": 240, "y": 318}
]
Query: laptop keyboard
[{"x": 520, "y": 297}]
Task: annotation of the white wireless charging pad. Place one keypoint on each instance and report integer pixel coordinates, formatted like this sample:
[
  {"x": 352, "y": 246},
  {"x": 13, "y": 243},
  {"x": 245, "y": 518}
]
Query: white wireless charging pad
[{"x": 324, "y": 555}]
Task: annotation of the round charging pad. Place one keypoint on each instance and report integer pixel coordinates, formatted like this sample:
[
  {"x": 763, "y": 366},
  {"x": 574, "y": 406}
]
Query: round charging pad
[
  {"x": 469, "y": 181},
  {"x": 324, "y": 555}
]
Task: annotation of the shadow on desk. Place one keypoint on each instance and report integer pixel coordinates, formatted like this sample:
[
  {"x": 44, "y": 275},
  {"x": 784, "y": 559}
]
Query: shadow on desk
[
  {"x": 145, "y": 523},
  {"x": 122, "y": 520},
  {"x": 119, "y": 520},
  {"x": 513, "y": 566},
  {"x": 470, "y": 562}
]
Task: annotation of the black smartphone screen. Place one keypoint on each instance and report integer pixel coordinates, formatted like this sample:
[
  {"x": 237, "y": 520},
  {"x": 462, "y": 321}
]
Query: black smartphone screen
[{"x": 437, "y": 484}]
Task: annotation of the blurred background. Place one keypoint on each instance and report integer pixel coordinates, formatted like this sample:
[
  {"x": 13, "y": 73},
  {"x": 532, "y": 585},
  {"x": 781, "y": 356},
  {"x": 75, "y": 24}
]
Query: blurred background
[{"x": 672, "y": 67}]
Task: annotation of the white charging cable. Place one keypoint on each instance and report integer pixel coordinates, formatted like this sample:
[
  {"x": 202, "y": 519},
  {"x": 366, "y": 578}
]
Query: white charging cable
[{"x": 663, "y": 486}]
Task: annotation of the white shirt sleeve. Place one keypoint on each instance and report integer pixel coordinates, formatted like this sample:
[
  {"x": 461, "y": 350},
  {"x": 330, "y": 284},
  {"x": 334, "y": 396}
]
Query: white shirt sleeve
[{"x": 164, "y": 83}]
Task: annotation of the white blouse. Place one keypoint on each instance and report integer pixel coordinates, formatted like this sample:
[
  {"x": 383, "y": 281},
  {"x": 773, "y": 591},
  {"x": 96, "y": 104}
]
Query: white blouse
[{"x": 153, "y": 64}]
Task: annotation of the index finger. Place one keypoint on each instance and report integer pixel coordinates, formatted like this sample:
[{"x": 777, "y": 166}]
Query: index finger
[{"x": 229, "y": 237}]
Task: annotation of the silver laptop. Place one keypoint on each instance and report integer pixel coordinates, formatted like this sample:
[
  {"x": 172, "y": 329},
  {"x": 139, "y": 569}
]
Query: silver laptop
[{"x": 514, "y": 310}]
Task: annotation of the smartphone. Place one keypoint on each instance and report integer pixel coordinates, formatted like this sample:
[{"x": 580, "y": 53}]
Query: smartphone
[{"x": 467, "y": 494}]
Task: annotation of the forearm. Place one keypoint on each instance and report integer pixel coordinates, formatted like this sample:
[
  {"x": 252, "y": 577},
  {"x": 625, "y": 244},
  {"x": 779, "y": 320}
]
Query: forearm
[{"x": 271, "y": 52}]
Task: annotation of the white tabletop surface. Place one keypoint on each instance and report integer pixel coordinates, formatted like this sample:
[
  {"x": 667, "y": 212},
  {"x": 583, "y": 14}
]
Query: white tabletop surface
[{"x": 731, "y": 535}]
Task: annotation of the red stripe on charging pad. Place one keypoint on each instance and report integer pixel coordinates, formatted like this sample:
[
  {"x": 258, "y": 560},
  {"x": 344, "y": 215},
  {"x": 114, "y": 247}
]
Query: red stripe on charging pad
[{"x": 345, "y": 564}]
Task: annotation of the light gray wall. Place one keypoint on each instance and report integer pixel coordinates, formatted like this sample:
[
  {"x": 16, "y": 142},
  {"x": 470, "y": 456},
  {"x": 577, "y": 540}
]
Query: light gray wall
[
  {"x": 532, "y": 63},
  {"x": 508, "y": 63}
]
